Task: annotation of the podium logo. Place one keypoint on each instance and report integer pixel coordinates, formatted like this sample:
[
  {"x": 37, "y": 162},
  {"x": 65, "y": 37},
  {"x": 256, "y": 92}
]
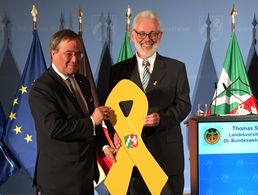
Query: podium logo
[
  {"x": 131, "y": 141},
  {"x": 212, "y": 136}
]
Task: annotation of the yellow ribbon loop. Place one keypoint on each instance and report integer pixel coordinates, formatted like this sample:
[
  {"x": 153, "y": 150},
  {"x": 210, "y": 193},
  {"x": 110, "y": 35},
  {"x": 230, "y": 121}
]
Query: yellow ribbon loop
[{"x": 133, "y": 151}]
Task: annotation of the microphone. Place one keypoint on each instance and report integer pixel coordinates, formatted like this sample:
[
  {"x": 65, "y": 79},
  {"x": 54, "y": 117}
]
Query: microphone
[
  {"x": 242, "y": 102},
  {"x": 215, "y": 101}
]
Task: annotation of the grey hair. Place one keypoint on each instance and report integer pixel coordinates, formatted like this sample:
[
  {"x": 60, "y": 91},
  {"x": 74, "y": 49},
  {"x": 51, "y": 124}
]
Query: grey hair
[{"x": 147, "y": 14}]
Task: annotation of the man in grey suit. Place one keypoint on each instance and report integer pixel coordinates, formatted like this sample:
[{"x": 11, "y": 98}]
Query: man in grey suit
[
  {"x": 165, "y": 83},
  {"x": 68, "y": 126}
]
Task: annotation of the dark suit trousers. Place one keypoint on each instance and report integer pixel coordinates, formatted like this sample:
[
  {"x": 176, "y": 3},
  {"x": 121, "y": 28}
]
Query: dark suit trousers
[
  {"x": 174, "y": 185},
  {"x": 44, "y": 191}
]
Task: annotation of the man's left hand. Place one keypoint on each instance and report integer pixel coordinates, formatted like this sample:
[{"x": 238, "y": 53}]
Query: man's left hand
[
  {"x": 110, "y": 153},
  {"x": 151, "y": 120}
]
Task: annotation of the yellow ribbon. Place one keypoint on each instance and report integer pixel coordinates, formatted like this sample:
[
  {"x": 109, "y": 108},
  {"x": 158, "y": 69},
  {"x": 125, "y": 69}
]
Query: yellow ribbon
[{"x": 133, "y": 151}]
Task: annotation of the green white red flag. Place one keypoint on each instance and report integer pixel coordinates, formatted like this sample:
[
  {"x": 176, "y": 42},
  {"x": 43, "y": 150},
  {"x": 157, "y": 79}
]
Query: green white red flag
[
  {"x": 233, "y": 94},
  {"x": 125, "y": 50}
]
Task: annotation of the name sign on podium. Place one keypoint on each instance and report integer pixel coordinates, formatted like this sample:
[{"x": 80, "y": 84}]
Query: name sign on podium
[
  {"x": 228, "y": 155},
  {"x": 133, "y": 152}
]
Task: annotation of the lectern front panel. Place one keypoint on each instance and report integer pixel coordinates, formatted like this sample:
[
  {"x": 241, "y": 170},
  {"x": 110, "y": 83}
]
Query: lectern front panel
[{"x": 227, "y": 157}]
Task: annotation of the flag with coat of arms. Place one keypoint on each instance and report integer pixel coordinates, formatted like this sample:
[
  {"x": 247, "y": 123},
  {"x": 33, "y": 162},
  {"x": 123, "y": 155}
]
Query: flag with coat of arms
[{"x": 233, "y": 95}]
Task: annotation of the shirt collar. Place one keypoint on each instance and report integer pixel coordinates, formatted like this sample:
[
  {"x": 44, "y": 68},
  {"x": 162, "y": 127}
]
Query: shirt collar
[
  {"x": 150, "y": 59},
  {"x": 64, "y": 77}
]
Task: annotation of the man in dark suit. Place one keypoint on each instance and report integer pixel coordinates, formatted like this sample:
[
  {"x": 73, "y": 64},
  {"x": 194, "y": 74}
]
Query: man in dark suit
[
  {"x": 165, "y": 84},
  {"x": 68, "y": 126}
]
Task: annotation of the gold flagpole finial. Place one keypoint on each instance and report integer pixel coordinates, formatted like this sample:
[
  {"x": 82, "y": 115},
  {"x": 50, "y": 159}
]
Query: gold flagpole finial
[
  {"x": 34, "y": 13},
  {"x": 80, "y": 14},
  {"x": 233, "y": 15},
  {"x": 128, "y": 15}
]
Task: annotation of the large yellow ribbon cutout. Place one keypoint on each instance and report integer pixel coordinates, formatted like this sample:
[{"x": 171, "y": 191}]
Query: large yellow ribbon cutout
[{"x": 133, "y": 152}]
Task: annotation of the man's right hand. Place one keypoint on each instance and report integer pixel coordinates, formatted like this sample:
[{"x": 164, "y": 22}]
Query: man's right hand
[
  {"x": 110, "y": 153},
  {"x": 101, "y": 113},
  {"x": 117, "y": 141}
]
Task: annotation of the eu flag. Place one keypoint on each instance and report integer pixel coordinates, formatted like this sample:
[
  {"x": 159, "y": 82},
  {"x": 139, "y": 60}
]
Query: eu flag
[
  {"x": 8, "y": 166},
  {"x": 20, "y": 134}
]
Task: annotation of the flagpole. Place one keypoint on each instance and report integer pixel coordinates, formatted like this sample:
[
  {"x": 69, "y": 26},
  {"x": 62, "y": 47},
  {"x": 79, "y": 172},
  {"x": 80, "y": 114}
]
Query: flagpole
[
  {"x": 125, "y": 50},
  {"x": 34, "y": 13},
  {"x": 128, "y": 15},
  {"x": 80, "y": 14},
  {"x": 233, "y": 16},
  {"x": 254, "y": 29}
]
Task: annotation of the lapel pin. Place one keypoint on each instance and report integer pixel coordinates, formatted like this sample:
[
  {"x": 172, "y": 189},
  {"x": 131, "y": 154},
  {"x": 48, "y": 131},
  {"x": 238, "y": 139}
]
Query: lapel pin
[{"x": 155, "y": 83}]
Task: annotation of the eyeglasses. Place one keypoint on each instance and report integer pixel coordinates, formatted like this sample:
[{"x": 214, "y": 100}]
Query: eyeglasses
[
  {"x": 152, "y": 35},
  {"x": 70, "y": 54}
]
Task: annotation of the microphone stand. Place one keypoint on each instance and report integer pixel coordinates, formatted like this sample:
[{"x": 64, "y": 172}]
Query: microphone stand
[
  {"x": 215, "y": 101},
  {"x": 216, "y": 94}
]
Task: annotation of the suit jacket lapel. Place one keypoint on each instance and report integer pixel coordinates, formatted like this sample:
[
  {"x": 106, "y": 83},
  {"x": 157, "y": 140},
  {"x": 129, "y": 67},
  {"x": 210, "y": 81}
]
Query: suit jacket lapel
[
  {"x": 58, "y": 79},
  {"x": 135, "y": 76},
  {"x": 66, "y": 90},
  {"x": 86, "y": 93},
  {"x": 158, "y": 73}
]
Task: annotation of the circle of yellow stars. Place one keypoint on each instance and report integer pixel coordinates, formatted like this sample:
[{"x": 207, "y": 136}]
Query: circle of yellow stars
[{"x": 12, "y": 116}]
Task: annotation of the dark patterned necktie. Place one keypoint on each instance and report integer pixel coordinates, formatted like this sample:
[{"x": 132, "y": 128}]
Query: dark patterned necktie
[
  {"x": 76, "y": 91},
  {"x": 146, "y": 74}
]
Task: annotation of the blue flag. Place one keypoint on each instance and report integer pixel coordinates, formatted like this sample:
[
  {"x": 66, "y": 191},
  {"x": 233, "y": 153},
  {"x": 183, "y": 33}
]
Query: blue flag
[
  {"x": 20, "y": 133},
  {"x": 8, "y": 167}
]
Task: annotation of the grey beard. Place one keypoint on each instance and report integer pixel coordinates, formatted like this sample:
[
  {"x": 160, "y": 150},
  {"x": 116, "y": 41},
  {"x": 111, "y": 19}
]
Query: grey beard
[{"x": 146, "y": 54}]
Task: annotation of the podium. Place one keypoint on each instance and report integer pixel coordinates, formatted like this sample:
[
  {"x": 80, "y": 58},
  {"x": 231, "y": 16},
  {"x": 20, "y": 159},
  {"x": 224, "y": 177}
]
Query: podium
[{"x": 223, "y": 154}]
